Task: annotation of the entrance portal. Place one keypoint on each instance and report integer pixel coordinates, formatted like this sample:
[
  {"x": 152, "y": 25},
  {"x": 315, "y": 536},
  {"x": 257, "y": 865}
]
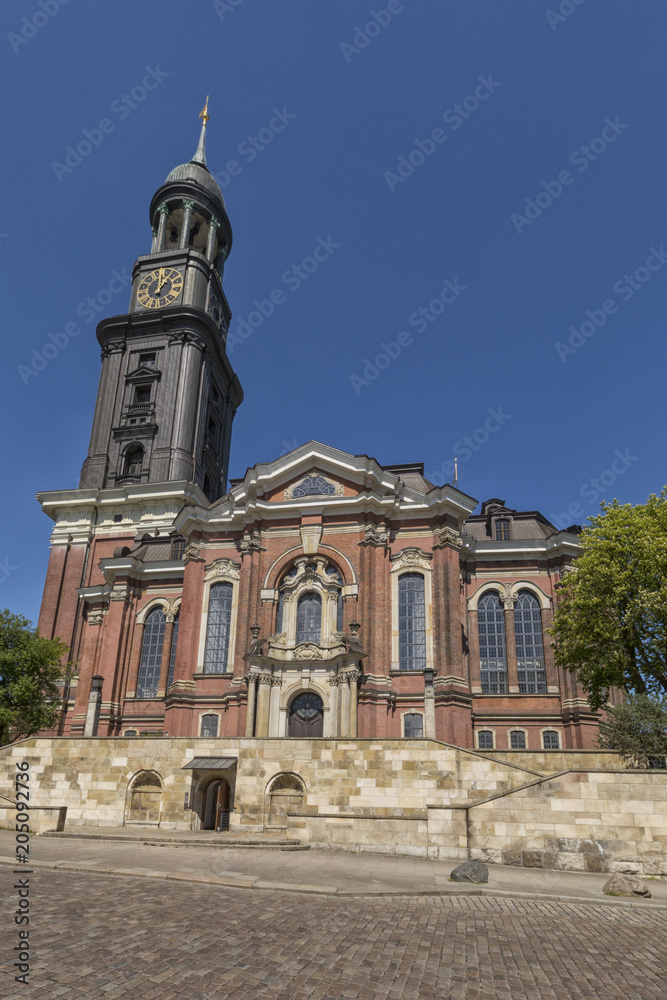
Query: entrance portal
[
  {"x": 306, "y": 717},
  {"x": 215, "y": 805}
]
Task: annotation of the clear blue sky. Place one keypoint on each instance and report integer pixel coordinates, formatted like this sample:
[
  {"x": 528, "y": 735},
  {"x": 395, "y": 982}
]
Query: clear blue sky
[{"x": 358, "y": 101}]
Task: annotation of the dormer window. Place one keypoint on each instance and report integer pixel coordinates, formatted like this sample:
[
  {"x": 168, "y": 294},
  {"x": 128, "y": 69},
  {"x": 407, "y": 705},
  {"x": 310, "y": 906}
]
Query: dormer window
[{"x": 503, "y": 529}]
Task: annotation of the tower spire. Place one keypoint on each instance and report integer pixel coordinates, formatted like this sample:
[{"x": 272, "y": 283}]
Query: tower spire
[{"x": 200, "y": 155}]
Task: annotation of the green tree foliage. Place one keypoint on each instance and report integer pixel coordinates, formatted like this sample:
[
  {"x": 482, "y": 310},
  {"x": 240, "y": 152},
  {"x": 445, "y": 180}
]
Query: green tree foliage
[
  {"x": 611, "y": 621},
  {"x": 30, "y": 670},
  {"x": 638, "y": 730}
]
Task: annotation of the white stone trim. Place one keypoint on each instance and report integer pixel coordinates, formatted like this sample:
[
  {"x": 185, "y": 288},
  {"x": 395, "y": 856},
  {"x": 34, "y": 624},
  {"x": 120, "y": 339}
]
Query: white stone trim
[
  {"x": 518, "y": 585},
  {"x": 517, "y": 729},
  {"x": 208, "y": 711},
  {"x": 413, "y": 711},
  {"x": 502, "y": 589},
  {"x": 219, "y": 571},
  {"x": 551, "y": 729},
  {"x": 151, "y": 605}
]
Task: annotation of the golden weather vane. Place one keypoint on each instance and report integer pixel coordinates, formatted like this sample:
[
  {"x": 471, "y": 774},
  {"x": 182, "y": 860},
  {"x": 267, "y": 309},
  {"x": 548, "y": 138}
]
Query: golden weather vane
[{"x": 203, "y": 114}]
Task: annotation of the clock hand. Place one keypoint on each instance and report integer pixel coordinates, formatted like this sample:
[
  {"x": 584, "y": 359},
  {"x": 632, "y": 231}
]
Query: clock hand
[{"x": 161, "y": 280}]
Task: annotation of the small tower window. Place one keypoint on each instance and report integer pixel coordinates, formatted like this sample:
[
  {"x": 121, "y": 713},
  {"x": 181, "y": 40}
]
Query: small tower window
[
  {"x": 550, "y": 740},
  {"x": 209, "y": 725},
  {"x": 413, "y": 725},
  {"x": 485, "y": 739},
  {"x": 134, "y": 458},
  {"x": 517, "y": 740},
  {"x": 142, "y": 394},
  {"x": 502, "y": 529}
]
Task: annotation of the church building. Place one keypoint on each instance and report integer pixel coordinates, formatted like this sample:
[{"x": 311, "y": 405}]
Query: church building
[{"x": 320, "y": 595}]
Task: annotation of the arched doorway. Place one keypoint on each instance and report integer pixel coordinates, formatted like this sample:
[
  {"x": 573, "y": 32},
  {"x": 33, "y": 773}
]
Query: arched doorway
[
  {"x": 306, "y": 716},
  {"x": 215, "y": 805}
]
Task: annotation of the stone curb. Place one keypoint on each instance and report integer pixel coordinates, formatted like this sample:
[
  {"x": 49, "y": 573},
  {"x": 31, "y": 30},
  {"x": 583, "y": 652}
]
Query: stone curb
[{"x": 330, "y": 890}]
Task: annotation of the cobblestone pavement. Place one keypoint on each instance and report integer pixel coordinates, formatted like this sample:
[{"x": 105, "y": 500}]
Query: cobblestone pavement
[{"x": 94, "y": 936}]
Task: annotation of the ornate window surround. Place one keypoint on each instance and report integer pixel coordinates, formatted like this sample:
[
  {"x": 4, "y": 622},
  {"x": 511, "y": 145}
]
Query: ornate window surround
[
  {"x": 411, "y": 560},
  {"x": 170, "y": 605},
  {"x": 337, "y": 490},
  {"x": 282, "y": 563},
  {"x": 508, "y": 593},
  {"x": 219, "y": 571},
  {"x": 291, "y": 691},
  {"x": 305, "y": 580}
]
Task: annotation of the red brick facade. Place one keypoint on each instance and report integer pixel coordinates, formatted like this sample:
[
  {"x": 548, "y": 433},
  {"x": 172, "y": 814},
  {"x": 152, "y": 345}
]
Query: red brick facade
[{"x": 372, "y": 527}]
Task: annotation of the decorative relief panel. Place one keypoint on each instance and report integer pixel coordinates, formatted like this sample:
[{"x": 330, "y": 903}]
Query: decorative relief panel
[
  {"x": 222, "y": 569},
  {"x": 314, "y": 485},
  {"x": 411, "y": 558}
]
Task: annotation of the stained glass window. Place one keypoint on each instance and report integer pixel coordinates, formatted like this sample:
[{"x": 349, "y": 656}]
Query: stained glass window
[
  {"x": 492, "y": 659},
  {"x": 314, "y": 486},
  {"x": 151, "y": 654},
  {"x": 218, "y": 628},
  {"x": 309, "y": 617},
  {"x": 529, "y": 644},
  {"x": 411, "y": 622}
]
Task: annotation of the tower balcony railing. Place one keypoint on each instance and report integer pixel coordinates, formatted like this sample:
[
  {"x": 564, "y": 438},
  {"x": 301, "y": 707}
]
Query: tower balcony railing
[{"x": 135, "y": 409}]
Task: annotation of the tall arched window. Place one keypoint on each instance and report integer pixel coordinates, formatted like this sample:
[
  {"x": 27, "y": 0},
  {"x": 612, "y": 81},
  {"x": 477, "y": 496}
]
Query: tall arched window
[
  {"x": 151, "y": 654},
  {"x": 411, "y": 622},
  {"x": 309, "y": 617},
  {"x": 218, "y": 628},
  {"x": 492, "y": 657},
  {"x": 529, "y": 644},
  {"x": 172, "y": 655}
]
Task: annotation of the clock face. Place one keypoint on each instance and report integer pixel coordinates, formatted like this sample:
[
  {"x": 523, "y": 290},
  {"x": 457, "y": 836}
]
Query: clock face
[{"x": 160, "y": 288}]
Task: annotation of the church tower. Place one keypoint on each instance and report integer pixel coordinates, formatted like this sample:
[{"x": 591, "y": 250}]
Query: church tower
[{"x": 168, "y": 394}]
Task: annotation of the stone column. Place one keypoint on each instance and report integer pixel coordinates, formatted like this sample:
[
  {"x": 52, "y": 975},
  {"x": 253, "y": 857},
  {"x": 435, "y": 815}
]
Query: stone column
[
  {"x": 549, "y": 663},
  {"x": 344, "y": 688},
  {"x": 166, "y": 656},
  {"x": 429, "y": 705},
  {"x": 251, "y": 680},
  {"x": 163, "y": 210},
  {"x": 94, "y": 705},
  {"x": 263, "y": 703},
  {"x": 135, "y": 659},
  {"x": 510, "y": 647},
  {"x": 213, "y": 227},
  {"x": 274, "y": 708},
  {"x": 354, "y": 676},
  {"x": 333, "y": 710},
  {"x": 473, "y": 652},
  {"x": 188, "y": 205}
]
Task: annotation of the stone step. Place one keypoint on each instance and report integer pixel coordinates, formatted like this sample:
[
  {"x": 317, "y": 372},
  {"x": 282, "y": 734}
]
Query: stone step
[{"x": 217, "y": 841}]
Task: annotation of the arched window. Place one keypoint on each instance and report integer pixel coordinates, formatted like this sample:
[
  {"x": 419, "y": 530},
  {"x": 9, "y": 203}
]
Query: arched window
[
  {"x": 134, "y": 459},
  {"x": 529, "y": 644},
  {"x": 492, "y": 658},
  {"x": 550, "y": 740},
  {"x": 172, "y": 655},
  {"x": 411, "y": 622},
  {"x": 413, "y": 725},
  {"x": 218, "y": 628},
  {"x": 151, "y": 654},
  {"x": 309, "y": 617},
  {"x": 517, "y": 740},
  {"x": 502, "y": 529},
  {"x": 485, "y": 739},
  {"x": 209, "y": 725}
]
